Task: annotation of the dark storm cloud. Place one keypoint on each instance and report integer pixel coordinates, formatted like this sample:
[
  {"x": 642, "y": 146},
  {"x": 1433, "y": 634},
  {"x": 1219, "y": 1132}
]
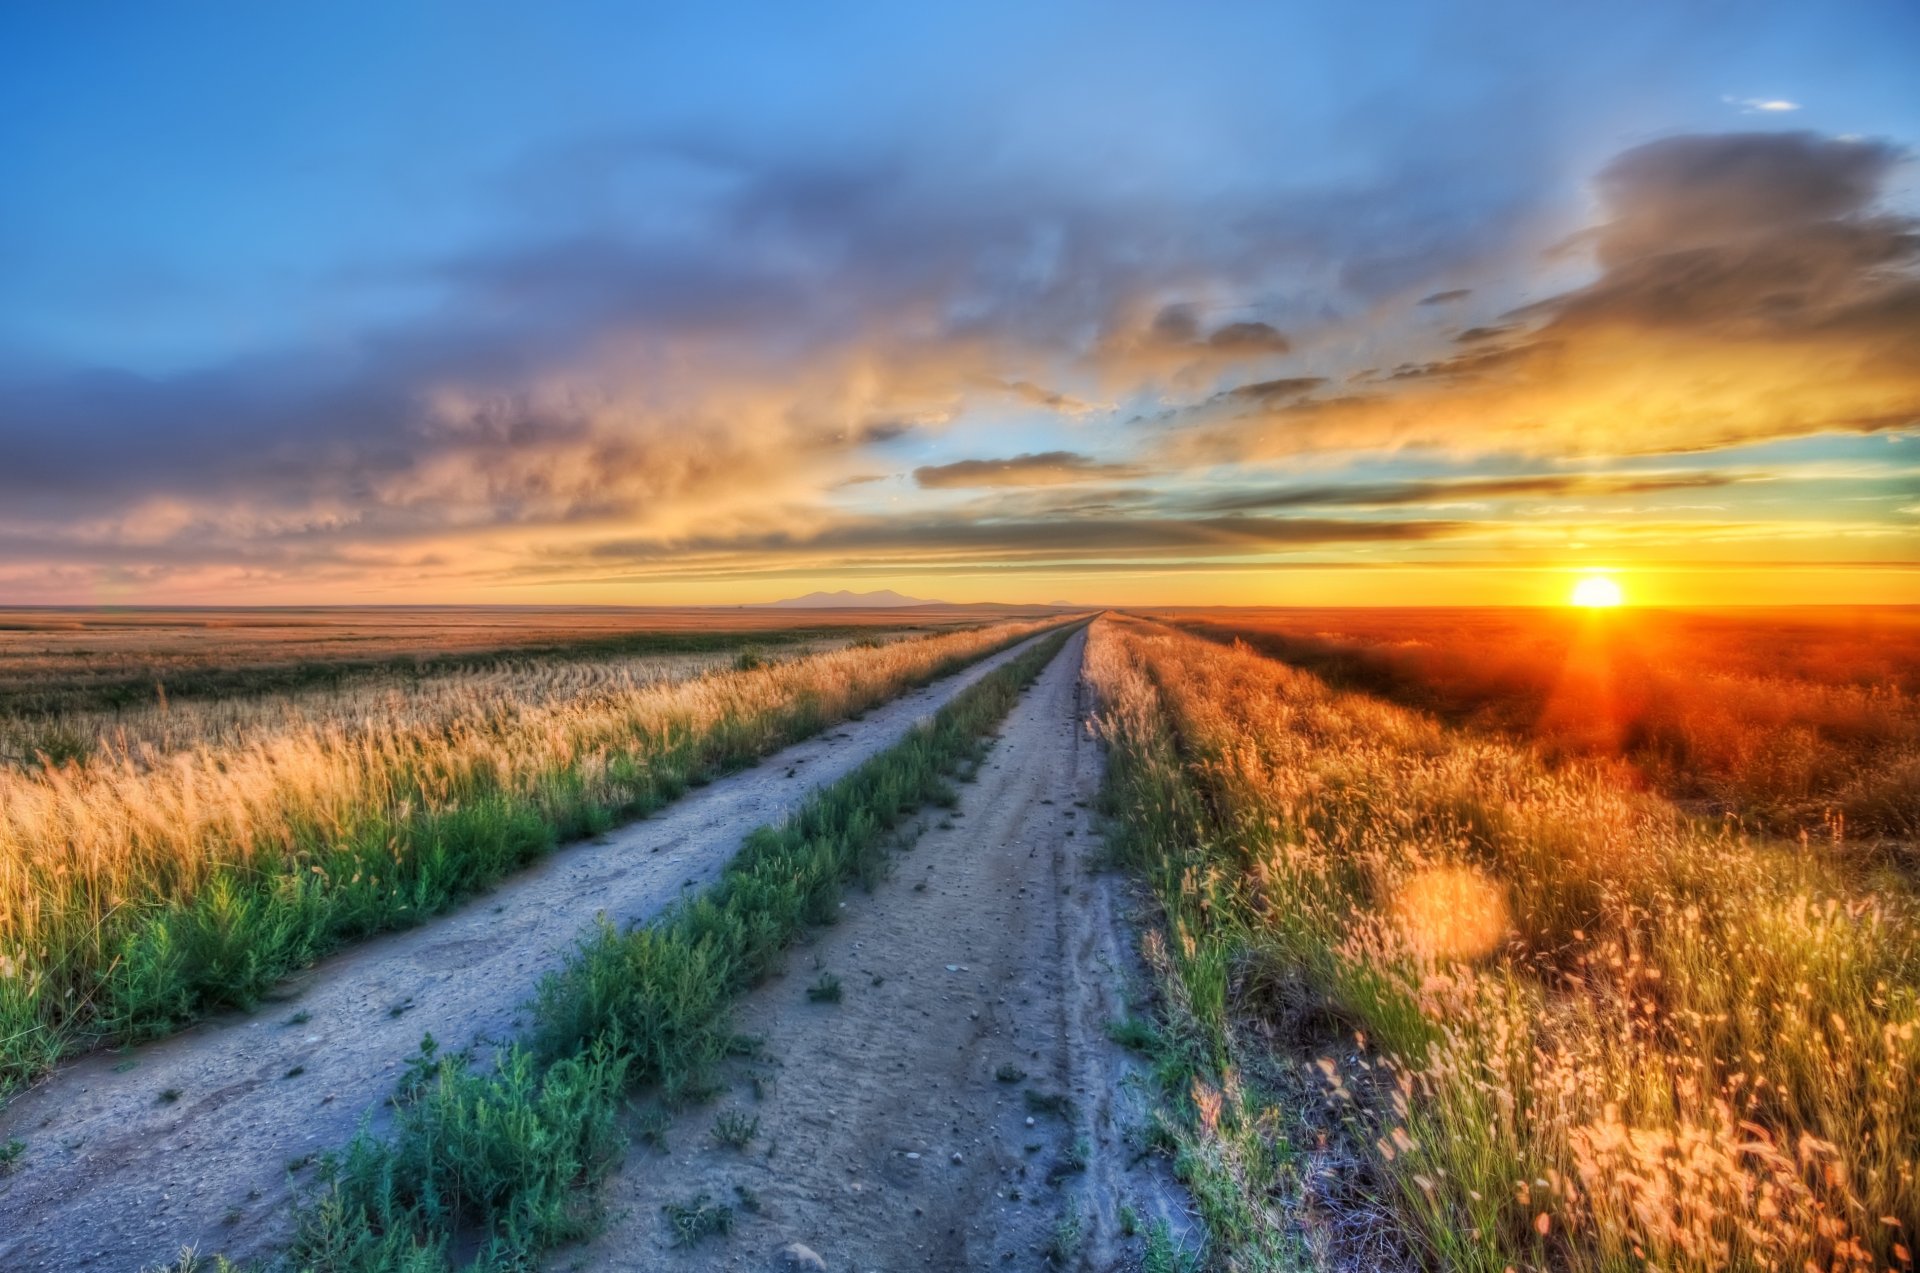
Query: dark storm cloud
[{"x": 1042, "y": 468}]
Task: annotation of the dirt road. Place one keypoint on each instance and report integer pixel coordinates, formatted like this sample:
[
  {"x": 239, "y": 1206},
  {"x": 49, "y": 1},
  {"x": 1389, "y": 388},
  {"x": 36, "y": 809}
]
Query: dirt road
[
  {"x": 961, "y": 1103},
  {"x": 200, "y": 1138}
]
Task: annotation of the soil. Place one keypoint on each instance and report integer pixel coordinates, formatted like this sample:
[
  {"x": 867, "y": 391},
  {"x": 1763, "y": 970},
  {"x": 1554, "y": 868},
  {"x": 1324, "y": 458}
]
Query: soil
[
  {"x": 962, "y": 1099},
  {"x": 202, "y": 1139}
]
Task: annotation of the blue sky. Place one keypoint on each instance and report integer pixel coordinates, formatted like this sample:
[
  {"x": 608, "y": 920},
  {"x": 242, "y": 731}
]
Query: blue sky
[{"x": 580, "y": 302}]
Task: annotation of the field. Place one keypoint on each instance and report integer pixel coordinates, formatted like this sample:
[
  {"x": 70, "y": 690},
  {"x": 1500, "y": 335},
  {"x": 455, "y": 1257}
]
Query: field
[
  {"x": 1233, "y": 940},
  {"x": 1801, "y": 719},
  {"x": 161, "y": 860},
  {"x": 1430, "y": 998}
]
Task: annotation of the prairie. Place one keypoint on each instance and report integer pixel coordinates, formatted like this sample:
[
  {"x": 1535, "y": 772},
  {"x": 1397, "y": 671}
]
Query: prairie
[
  {"x": 1426, "y": 999},
  {"x": 1803, "y": 719},
  {"x": 171, "y": 864}
]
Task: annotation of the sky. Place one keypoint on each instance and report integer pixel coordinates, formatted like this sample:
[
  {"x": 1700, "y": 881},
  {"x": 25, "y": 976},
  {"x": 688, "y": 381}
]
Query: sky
[{"x": 1111, "y": 303}]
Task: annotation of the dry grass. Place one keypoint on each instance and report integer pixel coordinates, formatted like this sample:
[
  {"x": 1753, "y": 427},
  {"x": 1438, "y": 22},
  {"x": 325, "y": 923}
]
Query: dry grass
[
  {"x": 146, "y": 887},
  {"x": 1568, "y": 1027},
  {"x": 68, "y": 659},
  {"x": 1793, "y": 717}
]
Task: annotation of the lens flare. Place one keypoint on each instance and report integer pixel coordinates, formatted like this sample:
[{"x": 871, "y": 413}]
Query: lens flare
[
  {"x": 1452, "y": 912},
  {"x": 1596, "y": 591}
]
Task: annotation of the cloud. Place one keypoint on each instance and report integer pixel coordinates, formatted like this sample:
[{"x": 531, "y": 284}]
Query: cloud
[
  {"x": 1747, "y": 287},
  {"x": 717, "y": 381},
  {"x": 1455, "y": 490},
  {"x": 1044, "y": 468},
  {"x": 1279, "y": 390},
  {"x": 1762, "y": 105},
  {"x": 924, "y": 541},
  {"x": 1250, "y": 338}
]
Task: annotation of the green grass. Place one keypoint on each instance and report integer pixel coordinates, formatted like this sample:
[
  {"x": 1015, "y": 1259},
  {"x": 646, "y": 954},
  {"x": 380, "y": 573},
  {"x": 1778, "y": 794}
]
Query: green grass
[
  {"x": 503, "y": 1163},
  {"x": 370, "y": 870}
]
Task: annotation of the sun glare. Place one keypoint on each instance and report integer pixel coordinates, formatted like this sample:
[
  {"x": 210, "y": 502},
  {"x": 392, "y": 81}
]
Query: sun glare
[{"x": 1596, "y": 591}]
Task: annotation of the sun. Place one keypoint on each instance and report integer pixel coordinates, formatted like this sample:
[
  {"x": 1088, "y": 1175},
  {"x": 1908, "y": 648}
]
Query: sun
[{"x": 1597, "y": 592}]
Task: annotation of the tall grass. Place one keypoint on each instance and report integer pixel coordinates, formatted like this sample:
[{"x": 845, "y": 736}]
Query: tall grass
[
  {"x": 138, "y": 892},
  {"x": 1565, "y": 1026},
  {"x": 505, "y": 1161},
  {"x": 1793, "y": 718}
]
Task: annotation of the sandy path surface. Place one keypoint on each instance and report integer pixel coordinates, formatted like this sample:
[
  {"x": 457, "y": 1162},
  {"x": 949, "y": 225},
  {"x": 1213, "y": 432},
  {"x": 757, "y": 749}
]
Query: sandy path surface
[
  {"x": 190, "y": 1140},
  {"x": 888, "y": 1136}
]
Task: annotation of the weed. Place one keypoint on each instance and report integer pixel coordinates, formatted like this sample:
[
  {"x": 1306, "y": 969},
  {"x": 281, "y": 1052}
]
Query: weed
[
  {"x": 1056, "y": 1104},
  {"x": 169, "y": 1095},
  {"x": 10, "y": 1154},
  {"x": 299, "y": 1018},
  {"x": 825, "y": 990},
  {"x": 652, "y": 1125},
  {"x": 294, "y": 1072},
  {"x": 1074, "y": 1162},
  {"x": 696, "y": 1218},
  {"x": 1129, "y": 1219},
  {"x": 749, "y": 1200},
  {"x": 735, "y": 1128},
  {"x": 1164, "y": 1254},
  {"x": 1134, "y": 1032},
  {"x": 507, "y": 1152},
  {"x": 1069, "y": 1234},
  {"x": 1009, "y": 1073}
]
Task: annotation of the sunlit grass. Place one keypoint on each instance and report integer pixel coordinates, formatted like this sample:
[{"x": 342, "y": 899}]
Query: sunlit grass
[
  {"x": 1795, "y": 719},
  {"x": 1687, "y": 1049},
  {"x": 145, "y": 888}
]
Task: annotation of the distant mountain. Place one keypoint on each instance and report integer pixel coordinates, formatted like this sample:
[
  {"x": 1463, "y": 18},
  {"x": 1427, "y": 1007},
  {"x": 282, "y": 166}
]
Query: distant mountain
[{"x": 845, "y": 600}]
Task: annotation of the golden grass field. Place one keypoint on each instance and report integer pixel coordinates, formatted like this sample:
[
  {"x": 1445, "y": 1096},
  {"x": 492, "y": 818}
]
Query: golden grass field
[
  {"x": 188, "y": 856},
  {"x": 1792, "y": 716},
  {"x": 1432, "y": 997}
]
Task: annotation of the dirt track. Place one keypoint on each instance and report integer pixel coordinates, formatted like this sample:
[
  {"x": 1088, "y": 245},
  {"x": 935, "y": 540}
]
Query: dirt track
[
  {"x": 189, "y": 1140},
  {"x": 887, "y": 1139}
]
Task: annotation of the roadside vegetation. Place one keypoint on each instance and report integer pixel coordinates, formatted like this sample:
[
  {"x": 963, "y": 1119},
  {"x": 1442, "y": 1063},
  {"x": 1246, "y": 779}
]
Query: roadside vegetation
[
  {"x": 492, "y": 1161},
  {"x": 65, "y": 662},
  {"x": 141, "y": 890},
  {"x": 1797, "y": 720},
  {"x": 1424, "y": 999}
]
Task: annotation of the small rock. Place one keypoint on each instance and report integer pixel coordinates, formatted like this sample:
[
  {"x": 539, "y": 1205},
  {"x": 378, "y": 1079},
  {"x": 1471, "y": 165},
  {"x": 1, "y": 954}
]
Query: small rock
[
  {"x": 957, "y": 1158},
  {"x": 798, "y": 1257},
  {"x": 912, "y": 1157}
]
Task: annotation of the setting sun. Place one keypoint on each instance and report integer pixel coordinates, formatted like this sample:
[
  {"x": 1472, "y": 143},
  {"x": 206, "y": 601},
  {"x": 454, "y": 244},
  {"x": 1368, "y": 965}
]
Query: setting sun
[{"x": 1597, "y": 591}]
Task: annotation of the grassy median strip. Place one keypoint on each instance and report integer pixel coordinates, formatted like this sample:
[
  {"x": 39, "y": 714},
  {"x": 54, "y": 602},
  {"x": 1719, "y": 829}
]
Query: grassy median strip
[
  {"x": 134, "y": 900},
  {"x": 492, "y": 1164}
]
